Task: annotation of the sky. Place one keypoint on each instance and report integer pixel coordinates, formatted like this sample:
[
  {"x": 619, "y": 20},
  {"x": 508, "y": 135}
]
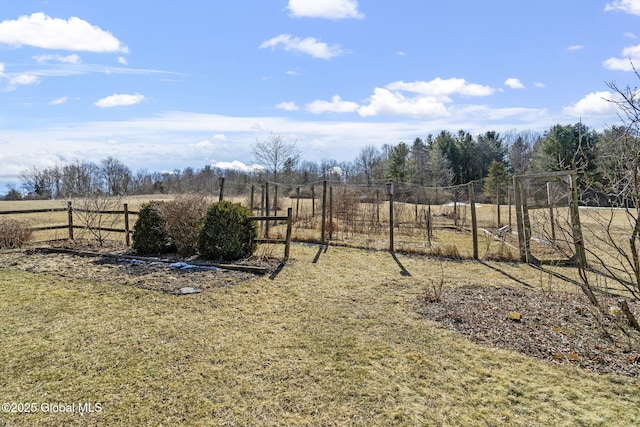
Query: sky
[{"x": 163, "y": 85}]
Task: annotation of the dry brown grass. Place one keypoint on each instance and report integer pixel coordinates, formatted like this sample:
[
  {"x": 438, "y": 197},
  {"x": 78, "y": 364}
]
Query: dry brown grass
[{"x": 333, "y": 340}]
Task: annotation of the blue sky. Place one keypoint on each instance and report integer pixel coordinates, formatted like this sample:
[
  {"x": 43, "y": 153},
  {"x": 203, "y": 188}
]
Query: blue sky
[{"x": 164, "y": 85}]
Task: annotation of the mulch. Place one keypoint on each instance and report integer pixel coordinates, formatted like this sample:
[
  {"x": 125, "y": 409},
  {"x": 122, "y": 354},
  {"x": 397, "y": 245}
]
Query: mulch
[
  {"x": 120, "y": 266},
  {"x": 560, "y": 327}
]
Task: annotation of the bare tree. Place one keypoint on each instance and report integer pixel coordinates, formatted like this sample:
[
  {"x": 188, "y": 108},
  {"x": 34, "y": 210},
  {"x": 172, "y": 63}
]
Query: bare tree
[
  {"x": 613, "y": 233},
  {"x": 116, "y": 175},
  {"x": 366, "y": 162},
  {"x": 37, "y": 183},
  {"x": 80, "y": 178},
  {"x": 274, "y": 154}
]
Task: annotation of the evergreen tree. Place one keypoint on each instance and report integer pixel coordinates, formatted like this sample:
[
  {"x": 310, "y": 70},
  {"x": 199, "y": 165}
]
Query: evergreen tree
[
  {"x": 398, "y": 163},
  {"x": 496, "y": 183}
]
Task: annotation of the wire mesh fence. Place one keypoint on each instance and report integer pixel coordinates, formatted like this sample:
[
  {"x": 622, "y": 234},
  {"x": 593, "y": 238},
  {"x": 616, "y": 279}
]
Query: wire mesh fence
[
  {"x": 401, "y": 217},
  {"x": 477, "y": 219}
]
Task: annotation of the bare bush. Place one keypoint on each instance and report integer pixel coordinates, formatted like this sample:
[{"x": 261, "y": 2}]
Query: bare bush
[
  {"x": 183, "y": 217},
  {"x": 432, "y": 293},
  {"x": 14, "y": 234},
  {"x": 93, "y": 212}
]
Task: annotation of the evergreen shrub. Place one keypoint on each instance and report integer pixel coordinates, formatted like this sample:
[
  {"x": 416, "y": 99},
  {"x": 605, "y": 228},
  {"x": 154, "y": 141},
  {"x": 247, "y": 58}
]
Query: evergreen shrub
[{"x": 227, "y": 232}]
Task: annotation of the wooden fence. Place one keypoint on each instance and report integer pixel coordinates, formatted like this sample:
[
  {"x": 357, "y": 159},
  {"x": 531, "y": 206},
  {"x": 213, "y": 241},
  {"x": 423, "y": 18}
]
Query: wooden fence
[{"x": 70, "y": 225}]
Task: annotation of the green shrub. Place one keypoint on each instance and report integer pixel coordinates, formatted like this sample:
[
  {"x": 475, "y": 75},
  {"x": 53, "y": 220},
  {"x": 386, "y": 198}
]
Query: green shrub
[
  {"x": 149, "y": 237},
  {"x": 227, "y": 233}
]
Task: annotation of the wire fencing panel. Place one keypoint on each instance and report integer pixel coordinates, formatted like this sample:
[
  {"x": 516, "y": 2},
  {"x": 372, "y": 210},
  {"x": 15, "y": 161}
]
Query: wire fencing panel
[{"x": 416, "y": 219}]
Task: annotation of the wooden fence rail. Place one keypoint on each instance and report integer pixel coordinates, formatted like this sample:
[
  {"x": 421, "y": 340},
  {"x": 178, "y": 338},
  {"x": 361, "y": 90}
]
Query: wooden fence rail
[
  {"x": 287, "y": 240},
  {"x": 71, "y": 226},
  {"x": 126, "y": 212}
]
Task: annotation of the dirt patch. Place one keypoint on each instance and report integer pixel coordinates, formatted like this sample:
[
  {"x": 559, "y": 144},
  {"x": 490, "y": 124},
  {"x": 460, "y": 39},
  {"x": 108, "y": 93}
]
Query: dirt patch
[
  {"x": 119, "y": 266},
  {"x": 557, "y": 327}
]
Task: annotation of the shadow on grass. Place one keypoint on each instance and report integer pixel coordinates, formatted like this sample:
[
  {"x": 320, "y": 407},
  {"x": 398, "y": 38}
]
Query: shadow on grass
[
  {"x": 277, "y": 271},
  {"x": 403, "y": 270},
  {"x": 321, "y": 249},
  {"x": 515, "y": 279}
]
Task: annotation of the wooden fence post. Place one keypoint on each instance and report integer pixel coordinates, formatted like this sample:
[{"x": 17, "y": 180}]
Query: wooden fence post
[
  {"x": 297, "y": 201},
  {"x": 275, "y": 201},
  {"x": 288, "y": 237},
  {"x": 390, "y": 191},
  {"x": 551, "y": 218},
  {"x": 509, "y": 196},
  {"x": 429, "y": 224},
  {"x": 127, "y": 237},
  {"x": 221, "y": 182},
  {"x": 330, "y": 212},
  {"x": 251, "y": 205},
  {"x": 70, "y": 216},
  {"x": 474, "y": 222},
  {"x": 498, "y": 203},
  {"x": 517, "y": 190},
  {"x": 324, "y": 212},
  {"x": 455, "y": 206},
  {"x": 578, "y": 241},
  {"x": 313, "y": 201},
  {"x": 266, "y": 204}
]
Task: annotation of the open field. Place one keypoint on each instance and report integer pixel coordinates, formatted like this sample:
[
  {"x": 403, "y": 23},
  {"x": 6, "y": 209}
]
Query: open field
[{"x": 333, "y": 339}]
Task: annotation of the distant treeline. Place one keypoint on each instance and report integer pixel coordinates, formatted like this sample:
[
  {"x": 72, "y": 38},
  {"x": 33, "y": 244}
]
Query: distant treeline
[{"x": 442, "y": 160}]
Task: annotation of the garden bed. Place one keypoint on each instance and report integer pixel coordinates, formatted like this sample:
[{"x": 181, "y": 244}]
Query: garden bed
[
  {"x": 120, "y": 266},
  {"x": 560, "y": 327}
]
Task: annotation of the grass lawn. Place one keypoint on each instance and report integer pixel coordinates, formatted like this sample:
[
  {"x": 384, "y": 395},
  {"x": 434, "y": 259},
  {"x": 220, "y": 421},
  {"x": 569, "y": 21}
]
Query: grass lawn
[{"x": 333, "y": 342}]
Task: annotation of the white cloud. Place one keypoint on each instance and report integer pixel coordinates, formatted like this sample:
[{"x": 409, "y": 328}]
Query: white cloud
[
  {"x": 122, "y": 60},
  {"x": 117, "y": 100},
  {"x": 539, "y": 85},
  {"x": 69, "y": 59},
  {"x": 336, "y": 105},
  {"x": 627, "y": 6},
  {"x": 593, "y": 104},
  {"x": 39, "y": 30},
  {"x": 24, "y": 79},
  {"x": 2, "y": 74},
  {"x": 630, "y": 35},
  {"x": 293, "y": 73},
  {"x": 237, "y": 165},
  {"x": 309, "y": 46},
  {"x": 59, "y": 101},
  {"x": 401, "y": 53},
  {"x": 442, "y": 87},
  {"x": 203, "y": 145},
  {"x": 288, "y": 106},
  {"x": 514, "y": 83},
  {"x": 384, "y": 101},
  {"x": 329, "y": 9},
  {"x": 575, "y": 47},
  {"x": 430, "y": 101},
  {"x": 630, "y": 54}
]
